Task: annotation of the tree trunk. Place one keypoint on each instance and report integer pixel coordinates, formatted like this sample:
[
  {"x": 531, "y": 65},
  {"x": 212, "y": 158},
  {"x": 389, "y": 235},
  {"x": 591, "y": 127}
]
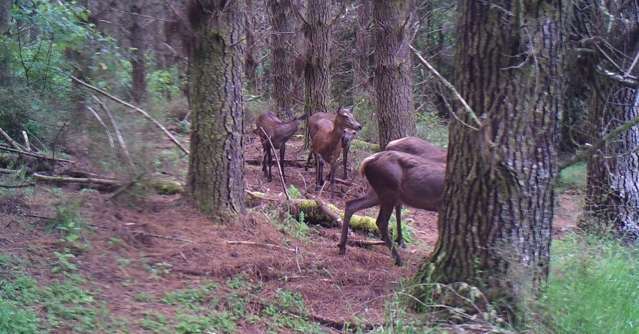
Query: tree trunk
[
  {"x": 393, "y": 71},
  {"x": 495, "y": 223},
  {"x": 282, "y": 44},
  {"x": 215, "y": 179},
  {"x": 138, "y": 63},
  {"x": 361, "y": 52},
  {"x": 5, "y": 11},
  {"x": 612, "y": 196},
  {"x": 250, "y": 61}
]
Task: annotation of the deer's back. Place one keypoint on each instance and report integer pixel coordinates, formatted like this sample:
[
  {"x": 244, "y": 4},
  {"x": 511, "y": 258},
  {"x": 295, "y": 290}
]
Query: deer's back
[{"x": 420, "y": 147}]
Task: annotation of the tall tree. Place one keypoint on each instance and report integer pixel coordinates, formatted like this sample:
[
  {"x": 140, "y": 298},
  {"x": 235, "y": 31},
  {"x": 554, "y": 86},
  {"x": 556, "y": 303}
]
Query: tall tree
[
  {"x": 282, "y": 46},
  {"x": 250, "y": 60},
  {"x": 361, "y": 52},
  {"x": 317, "y": 31},
  {"x": 215, "y": 179},
  {"x": 612, "y": 196},
  {"x": 495, "y": 223},
  {"x": 393, "y": 71},
  {"x": 138, "y": 46},
  {"x": 5, "y": 10}
]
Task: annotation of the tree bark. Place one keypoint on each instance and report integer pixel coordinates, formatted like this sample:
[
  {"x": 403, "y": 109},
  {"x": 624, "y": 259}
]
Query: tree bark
[
  {"x": 215, "y": 179},
  {"x": 495, "y": 223},
  {"x": 138, "y": 62},
  {"x": 393, "y": 70},
  {"x": 282, "y": 45}
]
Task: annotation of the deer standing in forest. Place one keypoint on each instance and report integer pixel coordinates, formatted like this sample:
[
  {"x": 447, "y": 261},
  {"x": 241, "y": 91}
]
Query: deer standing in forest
[
  {"x": 271, "y": 129},
  {"x": 326, "y": 141},
  {"x": 411, "y": 171},
  {"x": 347, "y": 138}
]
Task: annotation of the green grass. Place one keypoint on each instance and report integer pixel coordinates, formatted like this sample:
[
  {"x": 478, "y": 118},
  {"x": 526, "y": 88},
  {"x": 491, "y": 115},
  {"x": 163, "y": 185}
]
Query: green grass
[
  {"x": 593, "y": 287},
  {"x": 432, "y": 128},
  {"x": 573, "y": 177}
]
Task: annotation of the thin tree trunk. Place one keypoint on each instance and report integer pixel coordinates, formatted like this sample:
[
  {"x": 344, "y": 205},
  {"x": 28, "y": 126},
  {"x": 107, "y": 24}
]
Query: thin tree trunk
[
  {"x": 495, "y": 223},
  {"x": 5, "y": 11},
  {"x": 393, "y": 71},
  {"x": 138, "y": 63},
  {"x": 215, "y": 179},
  {"x": 250, "y": 60},
  {"x": 361, "y": 52},
  {"x": 282, "y": 44}
]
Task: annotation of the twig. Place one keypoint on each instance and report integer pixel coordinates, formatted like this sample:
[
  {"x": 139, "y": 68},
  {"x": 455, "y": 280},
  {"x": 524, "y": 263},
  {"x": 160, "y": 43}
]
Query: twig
[
  {"x": 27, "y": 145},
  {"x": 252, "y": 243},
  {"x": 279, "y": 166},
  {"x": 450, "y": 86},
  {"x": 162, "y": 237},
  {"x": 138, "y": 109},
  {"x": 116, "y": 129},
  {"x": 106, "y": 129},
  {"x": 35, "y": 155},
  {"x": 10, "y": 140},
  {"x": 632, "y": 66}
]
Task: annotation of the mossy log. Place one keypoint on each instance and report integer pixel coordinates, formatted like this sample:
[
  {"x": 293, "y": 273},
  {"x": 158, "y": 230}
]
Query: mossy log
[{"x": 317, "y": 212}]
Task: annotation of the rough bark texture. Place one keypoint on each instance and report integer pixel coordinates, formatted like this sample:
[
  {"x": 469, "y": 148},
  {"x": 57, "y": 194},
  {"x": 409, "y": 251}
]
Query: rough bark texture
[
  {"x": 138, "y": 63},
  {"x": 250, "y": 60},
  {"x": 361, "y": 52},
  {"x": 495, "y": 224},
  {"x": 216, "y": 174},
  {"x": 316, "y": 70},
  {"x": 612, "y": 197},
  {"x": 393, "y": 71},
  {"x": 5, "y": 7},
  {"x": 282, "y": 46}
]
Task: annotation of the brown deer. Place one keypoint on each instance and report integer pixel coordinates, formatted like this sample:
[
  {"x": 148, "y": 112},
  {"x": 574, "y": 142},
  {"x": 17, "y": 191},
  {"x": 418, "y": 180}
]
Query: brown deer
[
  {"x": 326, "y": 141},
  {"x": 279, "y": 132},
  {"x": 347, "y": 138},
  {"x": 397, "y": 177}
]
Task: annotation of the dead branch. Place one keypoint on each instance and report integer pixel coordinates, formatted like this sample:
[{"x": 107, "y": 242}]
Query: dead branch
[
  {"x": 27, "y": 145},
  {"x": 85, "y": 181},
  {"x": 138, "y": 109},
  {"x": 13, "y": 186},
  {"x": 8, "y": 171},
  {"x": 35, "y": 155},
  {"x": 162, "y": 237},
  {"x": 106, "y": 129},
  {"x": 291, "y": 163},
  {"x": 450, "y": 86},
  {"x": 279, "y": 166},
  {"x": 116, "y": 129},
  {"x": 11, "y": 141},
  {"x": 266, "y": 245}
]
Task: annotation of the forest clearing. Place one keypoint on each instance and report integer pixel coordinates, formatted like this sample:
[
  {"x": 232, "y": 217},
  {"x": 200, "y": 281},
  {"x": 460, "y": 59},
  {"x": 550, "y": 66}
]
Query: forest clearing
[{"x": 312, "y": 166}]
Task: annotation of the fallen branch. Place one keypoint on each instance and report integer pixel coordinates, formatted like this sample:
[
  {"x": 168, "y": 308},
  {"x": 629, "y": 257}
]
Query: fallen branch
[
  {"x": 279, "y": 166},
  {"x": 13, "y": 186},
  {"x": 86, "y": 181},
  {"x": 27, "y": 145},
  {"x": 138, "y": 109},
  {"x": 118, "y": 134},
  {"x": 162, "y": 237},
  {"x": 291, "y": 163},
  {"x": 35, "y": 155},
  {"x": 106, "y": 129},
  {"x": 11, "y": 141},
  {"x": 8, "y": 171},
  {"x": 252, "y": 243}
]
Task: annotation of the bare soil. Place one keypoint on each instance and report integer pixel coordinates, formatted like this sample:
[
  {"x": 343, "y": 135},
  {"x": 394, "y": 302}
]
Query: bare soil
[{"x": 165, "y": 232}]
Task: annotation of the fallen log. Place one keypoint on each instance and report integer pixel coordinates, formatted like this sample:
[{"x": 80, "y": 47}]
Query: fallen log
[
  {"x": 10, "y": 140},
  {"x": 35, "y": 155},
  {"x": 100, "y": 183}
]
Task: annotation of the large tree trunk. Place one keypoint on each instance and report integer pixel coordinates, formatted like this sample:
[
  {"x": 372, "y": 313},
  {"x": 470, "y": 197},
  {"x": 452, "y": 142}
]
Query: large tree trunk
[
  {"x": 495, "y": 223},
  {"x": 5, "y": 8},
  {"x": 138, "y": 63},
  {"x": 612, "y": 197},
  {"x": 361, "y": 53},
  {"x": 250, "y": 60},
  {"x": 282, "y": 45},
  {"x": 216, "y": 173},
  {"x": 393, "y": 71}
]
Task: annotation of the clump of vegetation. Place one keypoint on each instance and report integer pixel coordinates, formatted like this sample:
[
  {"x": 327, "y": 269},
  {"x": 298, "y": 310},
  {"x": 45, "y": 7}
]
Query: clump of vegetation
[
  {"x": 573, "y": 177},
  {"x": 593, "y": 287}
]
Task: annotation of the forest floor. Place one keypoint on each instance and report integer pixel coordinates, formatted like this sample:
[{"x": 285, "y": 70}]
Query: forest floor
[{"x": 152, "y": 264}]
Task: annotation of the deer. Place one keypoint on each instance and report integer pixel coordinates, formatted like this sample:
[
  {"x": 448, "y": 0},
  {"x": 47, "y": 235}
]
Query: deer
[
  {"x": 326, "y": 141},
  {"x": 397, "y": 176},
  {"x": 347, "y": 138},
  {"x": 269, "y": 126}
]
